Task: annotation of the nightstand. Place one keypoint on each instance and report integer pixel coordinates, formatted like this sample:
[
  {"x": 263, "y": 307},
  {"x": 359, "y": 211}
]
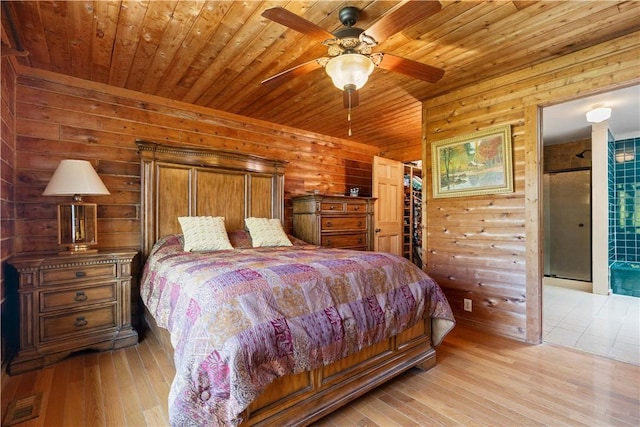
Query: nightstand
[{"x": 72, "y": 302}]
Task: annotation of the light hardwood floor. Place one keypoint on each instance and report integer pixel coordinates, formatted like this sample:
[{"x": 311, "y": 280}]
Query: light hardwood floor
[{"x": 480, "y": 379}]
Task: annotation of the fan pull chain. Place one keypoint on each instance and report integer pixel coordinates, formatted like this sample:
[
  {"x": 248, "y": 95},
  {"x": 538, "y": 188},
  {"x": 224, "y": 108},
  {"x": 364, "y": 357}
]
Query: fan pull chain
[{"x": 349, "y": 113}]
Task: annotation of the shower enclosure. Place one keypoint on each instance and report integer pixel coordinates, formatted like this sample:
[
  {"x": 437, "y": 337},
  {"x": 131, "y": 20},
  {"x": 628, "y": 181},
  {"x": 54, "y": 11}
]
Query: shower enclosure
[{"x": 567, "y": 225}]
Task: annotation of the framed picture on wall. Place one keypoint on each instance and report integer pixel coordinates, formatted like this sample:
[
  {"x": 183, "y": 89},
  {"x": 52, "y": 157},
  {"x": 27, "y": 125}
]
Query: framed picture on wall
[{"x": 473, "y": 164}]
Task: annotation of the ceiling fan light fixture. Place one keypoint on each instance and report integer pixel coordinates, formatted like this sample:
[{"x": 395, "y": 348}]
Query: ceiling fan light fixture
[{"x": 349, "y": 69}]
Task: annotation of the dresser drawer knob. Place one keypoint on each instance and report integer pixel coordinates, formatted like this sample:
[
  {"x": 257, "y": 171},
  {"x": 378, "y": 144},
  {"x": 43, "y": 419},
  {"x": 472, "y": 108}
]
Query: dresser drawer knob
[
  {"x": 329, "y": 224},
  {"x": 332, "y": 207},
  {"x": 81, "y": 296},
  {"x": 80, "y": 322},
  {"x": 356, "y": 208},
  {"x": 329, "y": 242},
  {"x": 360, "y": 240},
  {"x": 80, "y": 274},
  {"x": 359, "y": 223}
]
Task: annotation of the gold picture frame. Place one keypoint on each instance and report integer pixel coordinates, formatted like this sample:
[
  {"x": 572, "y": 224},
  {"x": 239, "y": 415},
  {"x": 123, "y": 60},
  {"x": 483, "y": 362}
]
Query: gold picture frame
[{"x": 473, "y": 164}]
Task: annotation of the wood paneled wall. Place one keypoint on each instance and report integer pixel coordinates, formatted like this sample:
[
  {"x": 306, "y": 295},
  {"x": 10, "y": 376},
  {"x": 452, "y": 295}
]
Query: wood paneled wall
[
  {"x": 7, "y": 220},
  {"x": 61, "y": 117},
  {"x": 486, "y": 248}
]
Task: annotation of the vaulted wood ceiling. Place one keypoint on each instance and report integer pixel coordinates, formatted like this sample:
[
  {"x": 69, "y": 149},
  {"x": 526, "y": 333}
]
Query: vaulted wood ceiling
[{"x": 216, "y": 53}]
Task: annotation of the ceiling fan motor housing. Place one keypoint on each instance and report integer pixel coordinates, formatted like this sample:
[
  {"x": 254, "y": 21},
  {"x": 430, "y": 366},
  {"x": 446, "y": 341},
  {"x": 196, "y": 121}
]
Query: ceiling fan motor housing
[{"x": 349, "y": 16}]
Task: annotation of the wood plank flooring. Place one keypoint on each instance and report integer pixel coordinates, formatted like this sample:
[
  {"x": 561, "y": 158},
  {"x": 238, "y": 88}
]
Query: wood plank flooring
[{"x": 480, "y": 380}]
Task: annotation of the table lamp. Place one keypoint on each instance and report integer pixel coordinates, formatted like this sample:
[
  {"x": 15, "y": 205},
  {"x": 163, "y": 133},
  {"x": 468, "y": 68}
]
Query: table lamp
[{"x": 77, "y": 220}]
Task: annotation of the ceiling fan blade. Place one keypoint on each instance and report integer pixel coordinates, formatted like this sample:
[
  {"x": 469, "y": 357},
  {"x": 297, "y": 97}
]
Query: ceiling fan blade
[
  {"x": 298, "y": 23},
  {"x": 403, "y": 17},
  {"x": 355, "y": 99},
  {"x": 292, "y": 73},
  {"x": 411, "y": 68}
]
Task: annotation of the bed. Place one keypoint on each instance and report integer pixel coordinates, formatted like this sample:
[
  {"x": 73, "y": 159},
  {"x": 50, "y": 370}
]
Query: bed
[{"x": 318, "y": 326}]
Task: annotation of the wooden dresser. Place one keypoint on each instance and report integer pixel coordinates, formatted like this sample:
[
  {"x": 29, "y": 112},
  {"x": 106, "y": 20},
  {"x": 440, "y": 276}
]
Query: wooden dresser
[
  {"x": 68, "y": 303},
  {"x": 334, "y": 221}
]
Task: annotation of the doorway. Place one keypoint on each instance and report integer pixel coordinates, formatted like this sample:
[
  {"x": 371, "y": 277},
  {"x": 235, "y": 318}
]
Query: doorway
[{"x": 593, "y": 322}]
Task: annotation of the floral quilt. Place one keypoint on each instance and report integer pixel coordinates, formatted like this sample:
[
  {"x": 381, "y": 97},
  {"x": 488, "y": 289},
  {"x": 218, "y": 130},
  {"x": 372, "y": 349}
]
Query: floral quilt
[{"x": 241, "y": 318}]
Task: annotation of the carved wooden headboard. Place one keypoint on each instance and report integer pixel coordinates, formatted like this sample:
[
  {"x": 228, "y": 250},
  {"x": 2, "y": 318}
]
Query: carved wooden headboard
[{"x": 189, "y": 181}]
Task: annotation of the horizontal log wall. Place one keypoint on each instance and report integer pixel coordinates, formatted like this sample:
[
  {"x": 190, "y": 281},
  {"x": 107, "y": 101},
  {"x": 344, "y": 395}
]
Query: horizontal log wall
[
  {"x": 61, "y": 117},
  {"x": 7, "y": 220},
  {"x": 486, "y": 248}
]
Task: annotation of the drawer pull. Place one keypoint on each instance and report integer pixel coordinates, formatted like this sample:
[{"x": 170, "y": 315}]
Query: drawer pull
[
  {"x": 81, "y": 296},
  {"x": 329, "y": 242},
  {"x": 332, "y": 207},
  {"x": 359, "y": 223},
  {"x": 329, "y": 224},
  {"x": 80, "y": 322},
  {"x": 360, "y": 240},
  {"x": 80, "y": 274},
  {"x": 356, "y": 208}
]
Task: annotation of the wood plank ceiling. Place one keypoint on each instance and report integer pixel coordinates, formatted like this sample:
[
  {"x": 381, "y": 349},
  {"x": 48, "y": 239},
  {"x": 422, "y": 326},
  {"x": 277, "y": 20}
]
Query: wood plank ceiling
[{"x": 216, "y": 53}]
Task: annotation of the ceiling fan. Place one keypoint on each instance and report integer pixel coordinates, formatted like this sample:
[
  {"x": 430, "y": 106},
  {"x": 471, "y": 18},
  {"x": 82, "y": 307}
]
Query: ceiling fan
[{"x": 350, "y": 58}]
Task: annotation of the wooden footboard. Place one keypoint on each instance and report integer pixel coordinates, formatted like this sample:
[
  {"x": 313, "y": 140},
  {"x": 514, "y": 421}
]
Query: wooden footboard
[{"x": 303, "y": 398}]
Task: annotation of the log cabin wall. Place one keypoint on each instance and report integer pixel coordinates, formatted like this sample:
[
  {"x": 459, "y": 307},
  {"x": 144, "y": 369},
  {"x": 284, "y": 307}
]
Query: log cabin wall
[
  {"x": 60, "y": 117},
  {"x": 7, "y": 220},
  {"x": 486, "y": 247}
]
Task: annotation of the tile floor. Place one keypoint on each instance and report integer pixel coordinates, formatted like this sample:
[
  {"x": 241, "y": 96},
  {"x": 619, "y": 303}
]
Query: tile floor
[{"x": 599, "y": 324}]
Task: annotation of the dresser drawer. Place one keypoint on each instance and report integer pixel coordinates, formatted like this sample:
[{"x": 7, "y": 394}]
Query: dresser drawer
[
  {"x": 70, "y": 298},
  {"x": 332, "y": 206},
  {"x": 78, "y": 273},
  {"x": 354, "y": 207},
  {"x": 358, "y": 240},
  {"x": 70, "y": 323},
  {"x": 344, "y": 223}
]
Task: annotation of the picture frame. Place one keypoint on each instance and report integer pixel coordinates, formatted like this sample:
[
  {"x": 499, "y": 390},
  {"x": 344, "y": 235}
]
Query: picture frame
[{"x": 473, "y": 164}]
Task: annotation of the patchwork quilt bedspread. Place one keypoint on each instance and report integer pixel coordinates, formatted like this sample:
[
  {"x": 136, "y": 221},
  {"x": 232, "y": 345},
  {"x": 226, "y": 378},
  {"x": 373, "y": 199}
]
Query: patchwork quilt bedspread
[{"x": 241, "y": 318}]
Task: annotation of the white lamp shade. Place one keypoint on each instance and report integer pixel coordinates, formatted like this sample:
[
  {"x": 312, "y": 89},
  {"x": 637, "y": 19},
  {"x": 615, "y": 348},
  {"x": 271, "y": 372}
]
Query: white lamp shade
[
  {"x": 75, "y": 177},
  {"x": 598, "y": 115},
  {"x": 349, "y": 69}
]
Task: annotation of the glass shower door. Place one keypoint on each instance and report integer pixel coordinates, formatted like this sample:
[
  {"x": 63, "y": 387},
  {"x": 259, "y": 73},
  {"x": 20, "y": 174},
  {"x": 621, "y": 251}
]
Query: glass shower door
[{"x": 567, "y": 209}]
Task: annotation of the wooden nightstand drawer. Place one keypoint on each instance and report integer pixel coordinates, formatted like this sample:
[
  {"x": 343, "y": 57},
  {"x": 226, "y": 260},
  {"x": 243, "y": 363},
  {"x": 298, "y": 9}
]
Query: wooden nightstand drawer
[
  {"x": 69, "y": 323},
  {"x": 78, "y": 273},
  {"x": 343, "y": 223},
  {"x": 71, "y": 298},
  {"x": 345, "y": 240}
]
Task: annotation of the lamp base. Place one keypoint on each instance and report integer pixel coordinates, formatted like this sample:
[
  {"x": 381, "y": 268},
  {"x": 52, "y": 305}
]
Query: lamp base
[{"x": 78, "y": 250}]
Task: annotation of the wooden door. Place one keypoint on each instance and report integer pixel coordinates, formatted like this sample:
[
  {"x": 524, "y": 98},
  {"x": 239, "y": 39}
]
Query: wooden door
[{"x": 387, "y": 216}]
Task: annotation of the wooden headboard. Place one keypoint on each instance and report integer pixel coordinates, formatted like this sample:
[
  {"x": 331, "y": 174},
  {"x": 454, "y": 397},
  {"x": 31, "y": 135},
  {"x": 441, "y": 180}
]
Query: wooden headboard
[{"x": 189, "y": 181}]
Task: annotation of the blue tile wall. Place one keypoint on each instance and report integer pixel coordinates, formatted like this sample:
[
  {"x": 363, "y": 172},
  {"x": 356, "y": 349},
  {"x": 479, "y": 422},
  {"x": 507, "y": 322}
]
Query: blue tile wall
[
  {"x": 624, "y": 195},
  {"x": 612, "y": 206},
  {"x": 624, "y": 216}
]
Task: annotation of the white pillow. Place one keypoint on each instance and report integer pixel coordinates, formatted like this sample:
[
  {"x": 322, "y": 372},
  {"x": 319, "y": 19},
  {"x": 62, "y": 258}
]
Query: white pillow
[
  {"x": 266, "y": 232},
  {"x": 204, "y": 233}
]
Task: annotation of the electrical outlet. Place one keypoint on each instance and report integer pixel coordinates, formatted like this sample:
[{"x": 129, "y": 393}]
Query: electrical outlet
[{"x": 468, "y": 305}]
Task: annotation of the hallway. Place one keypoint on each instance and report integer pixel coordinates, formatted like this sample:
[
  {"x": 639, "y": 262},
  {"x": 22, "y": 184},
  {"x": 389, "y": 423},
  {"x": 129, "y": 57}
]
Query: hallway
[{"x": 598, "y": 324}]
